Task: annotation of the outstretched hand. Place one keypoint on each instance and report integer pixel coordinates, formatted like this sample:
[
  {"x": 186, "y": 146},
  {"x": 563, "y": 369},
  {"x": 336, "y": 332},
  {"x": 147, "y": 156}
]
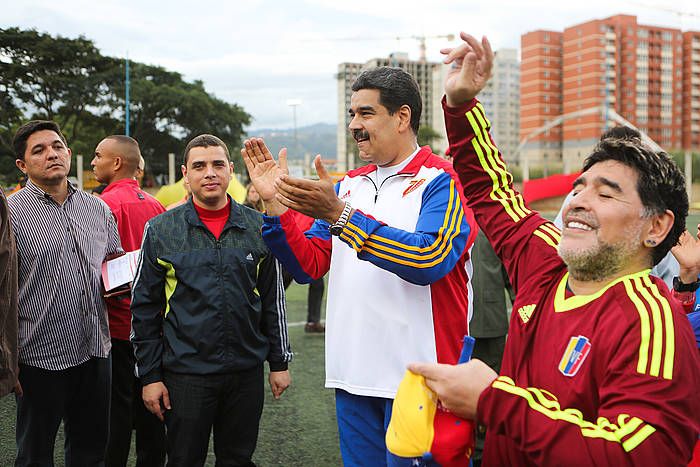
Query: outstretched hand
[
  {"x": 687, "y": 252},
  {"x": 471, "y": 67},
  {"x": 315, "y": 198},
  {"x": 263, "y": 170}
]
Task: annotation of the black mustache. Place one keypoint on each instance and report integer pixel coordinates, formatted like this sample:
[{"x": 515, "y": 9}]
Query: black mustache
[{"x": 360, "y": 134}]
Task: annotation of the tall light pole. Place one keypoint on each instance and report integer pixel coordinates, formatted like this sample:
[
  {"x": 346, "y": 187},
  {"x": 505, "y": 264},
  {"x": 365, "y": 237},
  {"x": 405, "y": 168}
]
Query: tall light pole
[
  {"x": 294, "y": 103},
  {"x": 126, "y": 97}
]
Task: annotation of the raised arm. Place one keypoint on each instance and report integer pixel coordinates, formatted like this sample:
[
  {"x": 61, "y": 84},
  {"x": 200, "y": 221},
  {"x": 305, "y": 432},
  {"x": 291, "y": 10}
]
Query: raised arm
[{"x": 521, "y": 237}]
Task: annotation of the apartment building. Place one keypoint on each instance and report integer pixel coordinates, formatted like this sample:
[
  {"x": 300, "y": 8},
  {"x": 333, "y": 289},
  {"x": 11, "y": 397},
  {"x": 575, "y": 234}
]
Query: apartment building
[{"x": 609, "y": 68}]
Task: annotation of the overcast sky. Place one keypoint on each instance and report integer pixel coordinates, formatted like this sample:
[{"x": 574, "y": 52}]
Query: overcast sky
[{"x": 260, "y": 53}]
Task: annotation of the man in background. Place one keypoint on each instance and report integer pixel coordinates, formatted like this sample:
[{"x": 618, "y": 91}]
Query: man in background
[
  {"x": 116, "y": 163},
  {"x": 8, "y": 301}
]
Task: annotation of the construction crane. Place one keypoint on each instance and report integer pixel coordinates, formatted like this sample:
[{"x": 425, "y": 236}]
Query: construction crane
[
  {"x": 420, "y": 38},
  {"x": 421, "y": 43},
  {"x": 678, "y": 13}
]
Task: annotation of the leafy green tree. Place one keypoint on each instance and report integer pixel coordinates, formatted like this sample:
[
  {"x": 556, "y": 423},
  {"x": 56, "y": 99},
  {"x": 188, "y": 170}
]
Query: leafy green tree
[
  {"x": 71, "y": 82},
  {"x": 427, "y": 135},
  {"x": 53, "y": 78},
  {"x": 166, "y": 112}
]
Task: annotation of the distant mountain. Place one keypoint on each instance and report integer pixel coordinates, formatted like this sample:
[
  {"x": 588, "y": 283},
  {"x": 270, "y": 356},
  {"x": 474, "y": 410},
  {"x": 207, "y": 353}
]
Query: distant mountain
[{"x": 319, "y": 138}]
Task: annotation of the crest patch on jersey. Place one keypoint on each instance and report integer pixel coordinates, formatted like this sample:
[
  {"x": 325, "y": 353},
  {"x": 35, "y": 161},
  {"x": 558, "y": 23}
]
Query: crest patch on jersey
[
  {"x": 574, "y": 355},
  {"x": 413, "y": 186},
  {"x": 525, "y": 312}
]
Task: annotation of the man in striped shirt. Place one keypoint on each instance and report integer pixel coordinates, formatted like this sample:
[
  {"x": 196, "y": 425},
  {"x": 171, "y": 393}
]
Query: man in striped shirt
[{"x": 63, "y": 236}]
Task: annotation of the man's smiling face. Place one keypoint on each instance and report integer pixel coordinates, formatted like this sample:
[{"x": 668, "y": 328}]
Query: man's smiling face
[
  {"x": 372, "y": 126},
  {"x": 603, "y": 223}
]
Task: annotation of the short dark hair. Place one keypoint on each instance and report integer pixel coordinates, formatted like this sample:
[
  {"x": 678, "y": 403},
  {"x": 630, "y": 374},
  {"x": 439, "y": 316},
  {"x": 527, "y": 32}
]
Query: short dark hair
[
  {"x": 204, "y": 141},
  {"x": 19, "y": 142},
  {"x": 396, "y": 88},
  {"x": 660, "y": 184},
  {"x": 131, "y": 152},
  {"x": 128, "y": 140}
]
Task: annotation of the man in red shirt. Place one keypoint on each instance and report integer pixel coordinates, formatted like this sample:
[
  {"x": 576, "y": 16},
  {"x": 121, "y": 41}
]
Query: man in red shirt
[
  {"x": 116, "y": 163},
  {"x": 600, "y": 365}
]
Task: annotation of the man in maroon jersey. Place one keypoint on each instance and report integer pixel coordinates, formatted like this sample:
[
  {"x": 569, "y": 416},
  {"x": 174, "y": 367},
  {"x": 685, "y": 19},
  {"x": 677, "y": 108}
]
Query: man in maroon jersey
[{"x": 600, "y": 366}]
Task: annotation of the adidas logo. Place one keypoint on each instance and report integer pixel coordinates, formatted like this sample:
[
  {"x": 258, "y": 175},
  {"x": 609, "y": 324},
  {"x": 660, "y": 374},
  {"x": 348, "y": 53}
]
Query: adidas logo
[
  {"x": 249, "y": 257},
  {"x": 525, "y": 312}
]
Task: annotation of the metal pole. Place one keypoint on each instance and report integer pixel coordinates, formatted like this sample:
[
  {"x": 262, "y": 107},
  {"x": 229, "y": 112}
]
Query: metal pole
[
  {"x": 526, "y": 167},
  {"x": 296, "y": 139},
  {"x": 127, "y": 95},
  {"x": 171, "y": 168},
  {"x": 79, "y": 170},
  {"x": 293, "y": 103},
  {"x": 688, "y": 163}
]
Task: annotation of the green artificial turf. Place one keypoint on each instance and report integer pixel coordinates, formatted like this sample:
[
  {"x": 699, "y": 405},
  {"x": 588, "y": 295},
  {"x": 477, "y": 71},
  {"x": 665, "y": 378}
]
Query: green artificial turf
[{"x": 297, "y": 430}]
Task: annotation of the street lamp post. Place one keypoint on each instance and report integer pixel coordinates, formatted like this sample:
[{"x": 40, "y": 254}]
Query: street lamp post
[{"x": 294, "y": 103}]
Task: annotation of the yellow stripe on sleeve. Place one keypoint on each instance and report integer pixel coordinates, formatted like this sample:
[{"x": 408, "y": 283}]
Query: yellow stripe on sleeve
[
  {"x": 453, "y": 211},
  {"x": 638, "y": 437},
  {"x": 669, "y": 330},
  {"x": 548, "y": 405},
  {"x": 552, "y": 229},
  {"x": 351, "y": 238},
  {"x": 546, "y": 238},
  {"x": 499, "y": 165},
  {"x": 644, "y": 325},
  {"x": 170, "y": 283},
  {"x": 437, "y": 250},
  {"x": 445, "y": 242},
  {"x": 657, "y": 333}
]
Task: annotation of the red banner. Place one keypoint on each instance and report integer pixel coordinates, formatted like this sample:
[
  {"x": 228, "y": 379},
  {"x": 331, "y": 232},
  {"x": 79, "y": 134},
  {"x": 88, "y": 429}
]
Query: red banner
[{"x": 548, "y": 187}]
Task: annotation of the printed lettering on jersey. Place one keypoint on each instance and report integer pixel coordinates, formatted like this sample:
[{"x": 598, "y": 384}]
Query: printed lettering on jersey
[
  {"x": 574, "y": 355},
  {"x": 345, "y": 195},
  {"x": 413, "y": 186},
  {"x": 526, "y": 312}
]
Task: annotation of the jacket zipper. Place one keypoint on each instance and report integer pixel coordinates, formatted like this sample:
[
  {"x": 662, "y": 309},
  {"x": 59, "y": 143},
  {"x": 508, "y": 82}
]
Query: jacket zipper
[{"x": 376, "y": 190}]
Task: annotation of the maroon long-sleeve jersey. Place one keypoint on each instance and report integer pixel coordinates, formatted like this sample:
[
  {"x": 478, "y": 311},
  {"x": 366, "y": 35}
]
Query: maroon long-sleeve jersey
[{"x": 611, "y": 378}]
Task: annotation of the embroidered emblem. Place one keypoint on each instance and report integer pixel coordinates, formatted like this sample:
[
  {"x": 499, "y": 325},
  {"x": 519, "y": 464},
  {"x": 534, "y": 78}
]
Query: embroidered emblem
[
  {"x": 249, "y": 257},
  {"x": 346, "y": 195},
  {"x": 525, "y": 312},
  {"x": 413, "y": 186},
  {"x": 574, "y": 355}
]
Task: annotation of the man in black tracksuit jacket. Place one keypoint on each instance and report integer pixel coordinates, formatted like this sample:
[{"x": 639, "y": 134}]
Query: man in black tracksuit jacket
[{"x": 208, "y": 310}]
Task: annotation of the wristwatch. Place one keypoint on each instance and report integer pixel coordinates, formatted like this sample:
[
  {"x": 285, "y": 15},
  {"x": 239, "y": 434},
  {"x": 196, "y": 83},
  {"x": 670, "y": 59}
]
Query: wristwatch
[
  {"x": 337, "y": 227},
  {"x": 679, "y": 286}
]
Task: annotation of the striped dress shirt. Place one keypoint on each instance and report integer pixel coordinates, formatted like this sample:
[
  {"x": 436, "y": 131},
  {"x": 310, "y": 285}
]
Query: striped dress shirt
[{"x": 61, "y": 247}]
